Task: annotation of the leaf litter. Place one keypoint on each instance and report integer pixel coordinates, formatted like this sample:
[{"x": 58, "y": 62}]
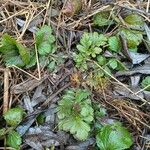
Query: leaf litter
[{"x": 99, "y": 46}]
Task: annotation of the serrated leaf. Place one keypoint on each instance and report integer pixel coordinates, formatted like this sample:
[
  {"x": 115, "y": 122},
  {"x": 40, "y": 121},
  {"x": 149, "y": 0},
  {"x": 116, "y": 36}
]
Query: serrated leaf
[
  {"x": 102, "y": 19},
  {"x": 13, "y": 139},
  {"x": 13, "y": 116},
  {"x": 51, "y": 66},
  {"x": 45, "y": 40},
  {"x": 24, "y": 53},
  {"x": 113, "y": 63},
  {"x": 75, "y": 113},
  {"x": 13, "y": 52},
  {"x": 114, "y": 44},
  {"x": 90, "y": 45},
  {"x": 101, "y": 60},
  {"x": 14, "y": 60},
  {"x": 8, "y": 44},
  {"x": 81, "y": 95},
  {"x": 44, "y": 48},
  {"x": 134, "y": 38},
  {"x": 146, "y": 82},
  {"x": 32, "y": 61},
  {"x": 113, "y": 137},
  {"x": 2, "y": 132},
  {"x": 134, "y": 20}
]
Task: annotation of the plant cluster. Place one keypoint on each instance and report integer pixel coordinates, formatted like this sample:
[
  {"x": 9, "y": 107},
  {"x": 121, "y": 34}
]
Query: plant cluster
[
  {"x": 130, "y": 26},
  {"x": 12, "y": 117},
  {"x": 94, "y": 47},
  {"x": 76, "y": 114},
  {"x": 15, "y": 53}
]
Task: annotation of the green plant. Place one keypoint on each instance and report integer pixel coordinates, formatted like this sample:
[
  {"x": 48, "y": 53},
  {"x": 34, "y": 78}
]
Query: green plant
[
  {"x": 146, "y": 83},
  {"x": 75, "y": 113},
  {"x": 14, "y": 53},
  {"x": 134, "y": 20},
  {"x": 113, "y": 137},
  {"x": 114, "y": 44},
  {"x": 89, "y": 47},
  {"x": 13, "y": 139},
  {"x": 46, "y": 46},
  {"x": 14, "y": 116},
  {"x": 102, "y": 19},
  {"x": 133, "y": 38},
  {"x": 45, "y": 41}
]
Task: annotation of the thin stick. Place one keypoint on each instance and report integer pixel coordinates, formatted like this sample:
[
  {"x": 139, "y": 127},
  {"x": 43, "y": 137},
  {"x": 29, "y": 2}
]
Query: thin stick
[
  {"x": 142, "y": 99},
  {"x": 6, "y": 91},
  {"x": 25, "y": 72},
  {"x": 147, "y": 8},
  {"x": 37, "y": 60}
]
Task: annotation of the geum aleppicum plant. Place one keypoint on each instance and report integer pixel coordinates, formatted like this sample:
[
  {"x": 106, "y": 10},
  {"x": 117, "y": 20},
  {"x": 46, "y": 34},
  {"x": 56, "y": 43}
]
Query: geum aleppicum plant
[
  {"x": 75, "y": 113},
  {"x": 90, "y": 46},
  {"x": 46, "y": 46}
]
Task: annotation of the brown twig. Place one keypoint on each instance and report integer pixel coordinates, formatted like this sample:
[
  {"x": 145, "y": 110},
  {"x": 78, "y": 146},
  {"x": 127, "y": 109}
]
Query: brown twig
[{"x": 6, "y": 91}]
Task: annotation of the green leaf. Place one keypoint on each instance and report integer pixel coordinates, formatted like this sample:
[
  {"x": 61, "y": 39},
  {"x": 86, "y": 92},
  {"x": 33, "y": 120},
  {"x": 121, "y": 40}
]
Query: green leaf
[
  {"x": 81, "y": 95},
  {"x": 81, "y": 61},
  {"x": 45, "y": 40},
  {"x": 51, "y": 66},
  {"x": 40, "y": 118},
  {"x": 102, "y": 19},
  {"x": 75, "y": 113},
  {"x": 114, "y": 44},
  {"x": 113, "y": 137},
  {"x": 32, "y": 61},
  {"x": 24, "y": 53},
  {"x": 13, "y": 52},
  {"x": 146, "y": 82},
  {"x": 13, "y": 116},
  {"x": 90, "y": 46},
  {"x": 8, "y": 44},
  {"x": 15, "y": 60},
  {"x": 13, "y": 139},
  {"x": 134, "y": 38},
  {"x": 134, "y": 20},
  {"x": 113, "y": 63},
  {"x": 2, "y": 132},
  {"x": 44, "y": 48},
  {"x": 101, "y": 60}
]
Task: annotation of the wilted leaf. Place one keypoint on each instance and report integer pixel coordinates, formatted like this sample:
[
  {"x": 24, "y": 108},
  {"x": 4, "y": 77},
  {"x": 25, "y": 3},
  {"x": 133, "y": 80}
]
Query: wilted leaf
[
  {"x": 113, "y": 137},
  {"x": 13, "y": 139},
  {"x": 14, "y": 116},
  {"x": 137, "y": 58}
]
